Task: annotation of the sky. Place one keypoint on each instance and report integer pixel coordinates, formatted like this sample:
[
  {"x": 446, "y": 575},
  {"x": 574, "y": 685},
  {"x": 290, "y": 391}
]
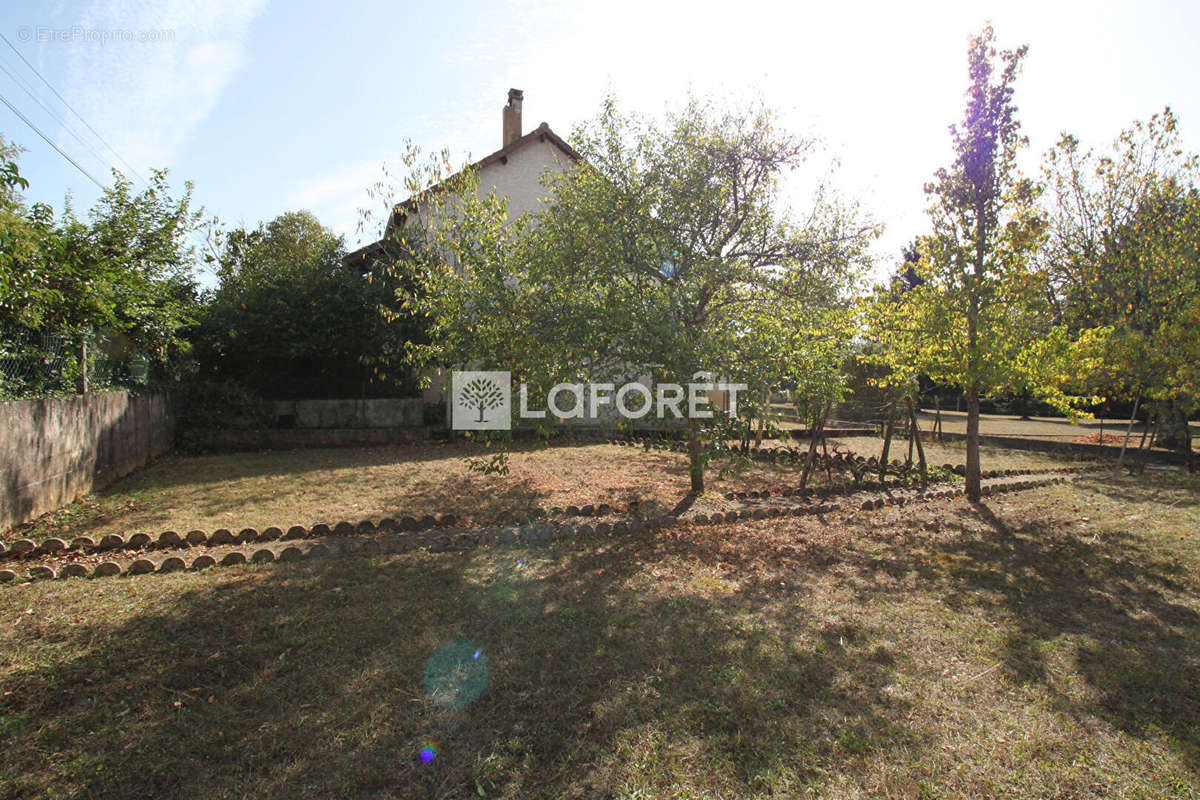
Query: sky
[{"x": 269, "y": 107}]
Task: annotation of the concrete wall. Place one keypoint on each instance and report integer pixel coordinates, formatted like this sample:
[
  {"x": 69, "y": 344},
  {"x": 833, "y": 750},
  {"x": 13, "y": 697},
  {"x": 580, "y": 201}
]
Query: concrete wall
[
  {"x": 54, "y": 450},
  {"x": 377, "y": 413}
]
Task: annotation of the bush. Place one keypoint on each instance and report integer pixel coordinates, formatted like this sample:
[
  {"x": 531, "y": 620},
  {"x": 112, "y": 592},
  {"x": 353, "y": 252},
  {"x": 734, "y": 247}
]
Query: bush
[
  {"x": 224, "y": 404},
  {"x": 434, "y": 415}
]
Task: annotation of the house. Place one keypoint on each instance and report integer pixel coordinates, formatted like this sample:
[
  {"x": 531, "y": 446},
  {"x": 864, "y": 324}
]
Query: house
[{"x": 514, "y": 172}]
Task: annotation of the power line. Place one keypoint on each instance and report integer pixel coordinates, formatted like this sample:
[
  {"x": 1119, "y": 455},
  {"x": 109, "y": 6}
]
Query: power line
[
  {"x": 25, "y": 88},
  {"x": 46, "y": 138},
  {"x": 111, "y": 149}
]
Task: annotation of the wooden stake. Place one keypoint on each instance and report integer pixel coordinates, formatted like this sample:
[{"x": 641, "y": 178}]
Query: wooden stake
[
  {"x": 1128, "y": 431},
  {"x": 887, "y": 443},
  {"x": 912, "y": 421},
  {"x": 908, "y": 458},
  {"x": 817, "y": 432}
]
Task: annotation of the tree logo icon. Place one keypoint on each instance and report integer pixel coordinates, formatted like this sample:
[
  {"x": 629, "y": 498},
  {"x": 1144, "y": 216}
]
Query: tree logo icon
[
  {"x": 482, "y": 400},
  {"x": 483, "y": 394}
]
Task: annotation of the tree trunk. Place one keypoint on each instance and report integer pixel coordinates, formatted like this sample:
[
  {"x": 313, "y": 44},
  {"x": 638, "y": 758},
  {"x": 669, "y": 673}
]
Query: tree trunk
[
  {"x": 1171, "y": 430},
  {"x": 695, "y": 457},
  {"x": 817, "y": 431},
  {"x": 825, "y": 451},
  {"x": 973, "y": 472},
  {"x": 762, "y": 421},
  {"x": 1144, "y": 446}
]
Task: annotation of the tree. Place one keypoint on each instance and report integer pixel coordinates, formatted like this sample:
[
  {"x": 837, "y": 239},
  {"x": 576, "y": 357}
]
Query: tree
[
  {"x": 1123, "y": 254},
  {"x": 667, "y": 250},
  {"x": 282, "y": 290},
  {"x": 20, "y": 298},
  {"x": 125, "y": 272},
  {"x": 136, "y": 246},
  {"x": 888, "y": 375},
  {"x": 906, "y": 276},
  {"x": 976, "y": 318}
]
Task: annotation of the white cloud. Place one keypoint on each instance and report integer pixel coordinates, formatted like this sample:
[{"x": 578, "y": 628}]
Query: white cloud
[{"x": 148, "y": 97}]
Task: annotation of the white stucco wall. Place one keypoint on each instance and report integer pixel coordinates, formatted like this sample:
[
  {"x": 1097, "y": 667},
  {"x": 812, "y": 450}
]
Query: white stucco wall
[{"x": 519, "y": 180}]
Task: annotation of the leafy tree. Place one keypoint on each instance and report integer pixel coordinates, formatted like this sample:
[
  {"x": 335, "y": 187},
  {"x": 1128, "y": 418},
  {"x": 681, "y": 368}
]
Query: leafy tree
[
  {"x": 18, "y": 242},
  {"x": 979, "y": 319},
  {"x": 883, "y": 371},
  {"x": 136, "y": 251},
  {"x": 10, "y": 173},
  {"x": 288, "y": 319},
  {"x": 906, "y": 275},
  {"x": 667, "y": 250},
  {"x": 126, "y": 271},
  {"x": 1123, "y": 254}
]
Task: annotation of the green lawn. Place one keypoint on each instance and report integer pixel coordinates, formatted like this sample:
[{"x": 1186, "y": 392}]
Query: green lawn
[{"x": 1045, "y": 644}]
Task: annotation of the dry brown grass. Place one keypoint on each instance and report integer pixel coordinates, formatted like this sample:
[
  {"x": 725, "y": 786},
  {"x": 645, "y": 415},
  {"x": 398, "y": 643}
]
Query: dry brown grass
[
  {"x": 305, "y": 487},
  {"x": 1043, "y": 645}
]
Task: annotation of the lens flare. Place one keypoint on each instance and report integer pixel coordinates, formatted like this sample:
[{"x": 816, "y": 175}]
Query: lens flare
[
  {"x": 428, "y": 753},
  {"x": 456, "y": 674}
]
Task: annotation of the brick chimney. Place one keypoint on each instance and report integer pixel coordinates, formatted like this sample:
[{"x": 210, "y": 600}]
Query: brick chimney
[{"x": 512, "y": 117}]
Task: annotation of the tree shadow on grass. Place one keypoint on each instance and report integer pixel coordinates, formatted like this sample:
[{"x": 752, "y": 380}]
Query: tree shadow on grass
[
  {"x": 1175, "y": 487},
  {"x": 1135, "y": 620},
  {"x": 308, "y": 680},
  {"x": 611, "y": 666},
  {"x": 1126, "y": 615}
]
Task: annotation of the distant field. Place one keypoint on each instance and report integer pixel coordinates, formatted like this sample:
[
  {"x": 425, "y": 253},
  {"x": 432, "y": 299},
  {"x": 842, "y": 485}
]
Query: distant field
[
  {"x": 1036, "y": 427},
  {"x": 1052, "y": 428}
]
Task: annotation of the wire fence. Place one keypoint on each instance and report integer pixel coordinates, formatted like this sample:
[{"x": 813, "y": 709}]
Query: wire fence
[{"x": 48, "y": 364}]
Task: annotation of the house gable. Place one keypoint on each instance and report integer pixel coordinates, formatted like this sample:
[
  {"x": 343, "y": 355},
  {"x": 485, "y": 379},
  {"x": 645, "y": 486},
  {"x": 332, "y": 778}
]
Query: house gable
[{"x": 513, "y": 172}]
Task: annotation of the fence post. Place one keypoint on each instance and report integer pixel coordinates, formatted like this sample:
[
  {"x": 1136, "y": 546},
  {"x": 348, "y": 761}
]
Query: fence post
[{"x": 81, "y": 383}]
